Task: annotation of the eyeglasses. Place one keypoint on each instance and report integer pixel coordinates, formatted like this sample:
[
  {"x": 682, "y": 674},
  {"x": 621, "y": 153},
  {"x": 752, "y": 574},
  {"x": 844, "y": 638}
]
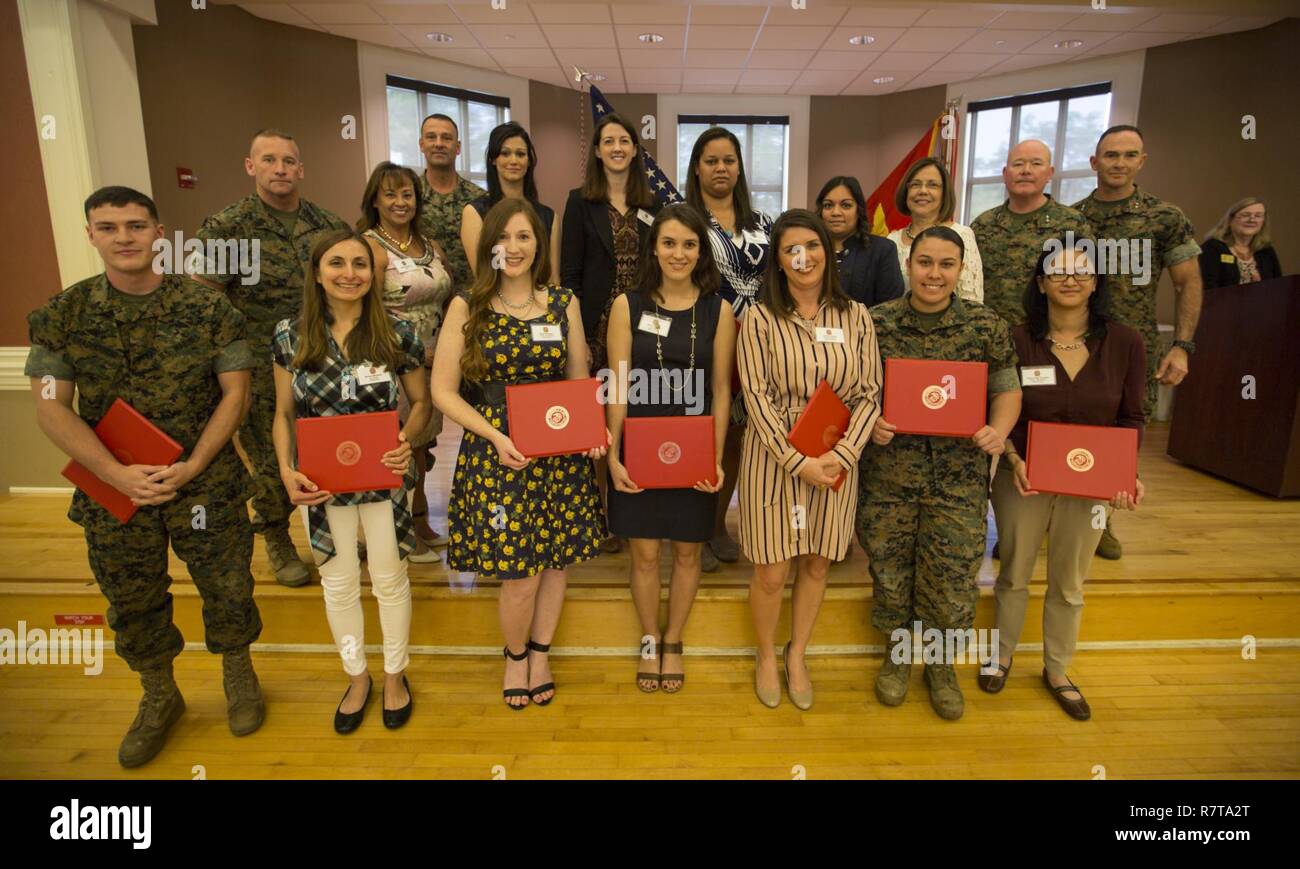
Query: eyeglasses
[
  {"x": 924, "y": 185},
  {"x": 1079, "y": 277}
]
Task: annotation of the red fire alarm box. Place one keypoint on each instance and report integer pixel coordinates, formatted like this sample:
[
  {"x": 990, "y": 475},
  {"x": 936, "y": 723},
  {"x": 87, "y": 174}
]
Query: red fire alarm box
[{"x": 185, "y": 178}]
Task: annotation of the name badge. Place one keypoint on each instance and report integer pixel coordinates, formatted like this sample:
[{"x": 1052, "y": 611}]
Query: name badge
[
  {"x": 644, "y": 216},
  {"x": 404, "y": 264},
  {"x": 544, "y": 333},
  {"x": 828, "y": 334},
  {"x": 1038, "y": 375},
  {"x": 371, "y": 374},
  {"x": 1227, "y": 258},
  {"x": 654, "y": 324}
]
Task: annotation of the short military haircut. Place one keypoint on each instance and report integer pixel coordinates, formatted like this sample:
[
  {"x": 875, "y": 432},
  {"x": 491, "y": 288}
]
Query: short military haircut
[
  {"x": 438, "y": 116},
  {"x": 270, "y": 133},
  {"x": 1120, "y": 128},
  {"x": 118, "y": 197}
]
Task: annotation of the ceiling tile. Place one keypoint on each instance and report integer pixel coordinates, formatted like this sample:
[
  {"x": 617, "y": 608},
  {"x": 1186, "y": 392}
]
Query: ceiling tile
[
  {"x": 792, "y": 37},
  {"x": 930, "y": 79},
  {"x": 959, "y": 16},
  {"x": 650, "y": 58},
  {"x": 628, "y": 36},
  {"x": 1119, "y": 20},
  {"x": 914, "y": 61},
  {"x": 780, "y": 59},
  {"x": 1018, "y": 19},
  {"x": 715, "y": 59},
  {"x": 379, "y": 34},
  {"x": 865, "y": 86},
  {"x": 713, "y": 36},
  {"x": 1002, "y": 41},
  {"x": 279, "y": 12},
  {"x": 1134, "y": 41},
  {"x": 508, "y": 35},
  {"x": 524, "y": 56},
  {"x": 578, "y": 35},
  {"x": 602, "y": 59},
  {"x": 548, "y": 74},
  {"x": 964, "y": 63},
  {"x": 761, "y": 89},
  {"x": 782, "y": 78},
  {"x": 570, "y": 13},
  {"x": 731, "y": 16},
  {"x": 707, "y": 88},
  {"x": 415, "y": 13},
  {"x": 823, "y": 81},
  {"x": 1173, "y": 22},
  {"x": 728, "y": 77},
  {"x": 878, "y": 17},
  {"x": 786, "y": 16},
  {"x": 648, "y": 13},
  {"x": 339, "y": 13},
  {"x": 1020, "y": 61},
  {"x": 855, "y": 60},
  {"x": 417, "y": 33},
  {"x": 467, "y": 56},
  {"x": 653, "y": 77},
  {"x": 885, "y": 37},
  {"x": 933, "y": 38},
  {"x": 1047, "y": 45},
  {"x": 482, "y": 12}
]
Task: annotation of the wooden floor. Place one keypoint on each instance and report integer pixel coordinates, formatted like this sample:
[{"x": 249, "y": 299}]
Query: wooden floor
[{"x": 1155, "y": 715}]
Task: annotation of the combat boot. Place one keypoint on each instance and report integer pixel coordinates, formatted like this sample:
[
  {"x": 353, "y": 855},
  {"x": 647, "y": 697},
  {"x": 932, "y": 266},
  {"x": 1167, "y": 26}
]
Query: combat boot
[
  {"x": 891, "y": 682},
  {"x": 244, "y": 706},
  {"x": 289, "y": 569},
  {"x": 945, "y": 695},
  {"x": 160, "y": 708}
]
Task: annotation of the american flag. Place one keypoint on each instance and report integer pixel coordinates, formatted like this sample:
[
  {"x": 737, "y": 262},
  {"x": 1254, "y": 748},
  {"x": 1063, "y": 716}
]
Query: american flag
[{"x": 662, "y": 188}]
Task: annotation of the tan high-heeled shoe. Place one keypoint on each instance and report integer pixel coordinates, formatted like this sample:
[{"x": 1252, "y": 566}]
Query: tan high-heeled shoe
[
  {"x": 802, "y": 699},
  {"x": 770, "y": 699}
]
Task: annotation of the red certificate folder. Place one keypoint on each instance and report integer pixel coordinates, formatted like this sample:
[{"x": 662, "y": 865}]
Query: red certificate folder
[
  {"x": 556, "y": 417},
  {"x": 132, "y": 440},
  {"x": 1087, "y": 461},
  {"x": 344, "y": 453},
  {"x": 936, "y": 397},
  {"x": 821, "y": 425},
  {"x": 669, "y": 452}
]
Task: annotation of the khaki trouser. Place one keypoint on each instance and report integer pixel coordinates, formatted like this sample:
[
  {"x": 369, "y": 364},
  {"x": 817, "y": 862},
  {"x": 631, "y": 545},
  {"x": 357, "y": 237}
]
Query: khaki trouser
[{"x": 1068, "y": 523}]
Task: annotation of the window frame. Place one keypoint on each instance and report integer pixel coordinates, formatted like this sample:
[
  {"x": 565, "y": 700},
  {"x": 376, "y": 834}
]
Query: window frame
[
  {"x": 424, "y": 89},
  {"x": 749, "y": 121}
]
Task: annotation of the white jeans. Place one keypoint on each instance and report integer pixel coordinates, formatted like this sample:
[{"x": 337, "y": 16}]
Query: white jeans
[{"x": 340, "y": 578}]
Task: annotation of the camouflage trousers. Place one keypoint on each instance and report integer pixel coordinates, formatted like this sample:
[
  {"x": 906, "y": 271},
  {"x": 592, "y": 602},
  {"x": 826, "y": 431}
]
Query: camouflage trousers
[
  {"x": 271, "y": 504},
  {"x": 925, "y": 558},
  {"x": 1151, "y": 340},
  {"x": 130, "y": 564}
]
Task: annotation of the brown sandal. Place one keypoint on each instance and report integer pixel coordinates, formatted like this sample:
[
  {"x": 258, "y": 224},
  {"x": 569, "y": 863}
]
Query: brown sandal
[
  {"x": 653, "y": 678},
  {"x": 679, "y": 678},
  {"x": 994, "y": 682},
  {"x": 1076, "y": 709}
]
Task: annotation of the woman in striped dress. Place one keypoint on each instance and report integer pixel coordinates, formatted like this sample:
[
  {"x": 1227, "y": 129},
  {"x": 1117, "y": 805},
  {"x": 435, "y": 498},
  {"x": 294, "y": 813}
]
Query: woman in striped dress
[{"x": 803, "y": 330}]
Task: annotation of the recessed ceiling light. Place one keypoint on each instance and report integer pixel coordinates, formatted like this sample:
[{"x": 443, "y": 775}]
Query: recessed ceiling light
[
  {"x": 861, "y": 40},
  {"x": 884, "y": 79},
  {"x": 1000, "y": 42},
  {"x": 1069, "y": 43},
  {"x": 438, "y": 36},
  {"x": 596, "y": 76},
  {"x": 650, "y": 37}
]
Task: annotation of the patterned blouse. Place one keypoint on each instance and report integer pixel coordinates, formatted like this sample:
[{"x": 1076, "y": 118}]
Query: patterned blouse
[
  {"x": 742, "y": 260},
  {"x": 321, "y": 393}
]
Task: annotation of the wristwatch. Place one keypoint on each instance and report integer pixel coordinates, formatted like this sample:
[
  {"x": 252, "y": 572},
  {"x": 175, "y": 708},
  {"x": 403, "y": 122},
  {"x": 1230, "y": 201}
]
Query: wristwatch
[{"x": 1188, "y": 346}]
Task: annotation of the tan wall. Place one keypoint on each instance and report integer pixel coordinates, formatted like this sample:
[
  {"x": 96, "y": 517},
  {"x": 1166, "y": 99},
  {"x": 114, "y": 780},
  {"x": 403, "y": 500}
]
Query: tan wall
[
  {"x": 1193, "y": 97},
  {"x": 210, "y": 78},
  {"x": 33, "y": 277}
]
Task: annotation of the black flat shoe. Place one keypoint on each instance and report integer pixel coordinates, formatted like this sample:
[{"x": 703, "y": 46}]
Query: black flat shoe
[
  {"x": 346, "y": 722},
  {"x": 395, "y": 718},
  {"x": 545, "y": 686}
]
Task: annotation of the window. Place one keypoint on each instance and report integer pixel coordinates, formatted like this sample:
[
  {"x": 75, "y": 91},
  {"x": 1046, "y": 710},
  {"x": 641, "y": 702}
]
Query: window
[
  {"x": 410, "y": 102},
  {"x": 1069, "y": 120},
  {"x": 765, "y": 151}
]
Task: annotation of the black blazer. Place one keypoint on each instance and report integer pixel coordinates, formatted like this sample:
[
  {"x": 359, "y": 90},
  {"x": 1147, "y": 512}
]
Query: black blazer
[
  {"x": 1217, "y": 273},
  {"x": 870, "y": 274},
  {"x": 587, "y": 255}
]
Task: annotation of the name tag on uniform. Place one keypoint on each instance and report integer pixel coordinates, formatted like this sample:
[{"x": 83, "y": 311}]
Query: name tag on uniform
[
  {"x": 404, "y": 264},
  {"x": 644, "y": 216},
  {"x": 654, "y": 324},
  {"x": 371, "y": 374},
  {"x": 1227, "y": 258},
  {"x": 1037, "y": 375},
  {"x": 544, "y": 333},
  {"x": 828, "y": 334}
]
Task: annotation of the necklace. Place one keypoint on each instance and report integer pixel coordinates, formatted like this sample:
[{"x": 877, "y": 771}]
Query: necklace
[
  {"x": 526, "y": 306},
  {"x": 807, "y": 321},
  {"x": 1080, "y": 341},
  {"x": 659, "y": 347},
  {"x": 410, "y": 236}
]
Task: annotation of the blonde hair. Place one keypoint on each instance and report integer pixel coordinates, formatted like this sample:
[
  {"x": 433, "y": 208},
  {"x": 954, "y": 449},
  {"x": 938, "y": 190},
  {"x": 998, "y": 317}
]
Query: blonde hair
[{"x": 1223, "y": 229}]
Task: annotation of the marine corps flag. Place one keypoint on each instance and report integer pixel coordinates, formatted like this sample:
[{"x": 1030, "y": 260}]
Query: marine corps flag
[
  {"x": 880, "y": 204},
  {"x": 660, "y": 186}
]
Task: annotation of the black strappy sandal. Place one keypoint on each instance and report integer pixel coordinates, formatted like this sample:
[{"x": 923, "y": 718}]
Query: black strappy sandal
[
  {"x": 679, "y": 678},
  {"x": 515, "y": 692},
  {"x": 545, "y": 686}
]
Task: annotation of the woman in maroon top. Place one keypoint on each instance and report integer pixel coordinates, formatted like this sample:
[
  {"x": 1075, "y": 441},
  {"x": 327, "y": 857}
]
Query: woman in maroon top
[{"x": 1076, "y": 366}]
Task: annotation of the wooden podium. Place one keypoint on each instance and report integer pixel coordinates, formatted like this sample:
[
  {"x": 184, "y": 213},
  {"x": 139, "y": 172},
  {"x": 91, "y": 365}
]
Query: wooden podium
[{"x": 1248, "y": 339}]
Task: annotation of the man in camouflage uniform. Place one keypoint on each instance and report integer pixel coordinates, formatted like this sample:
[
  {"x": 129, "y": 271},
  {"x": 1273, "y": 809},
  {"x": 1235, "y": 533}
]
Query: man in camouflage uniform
[
  {"x": 1157, "y": 234},
  {"x": 444, "y": 195},
  {"x": 285, "y": 226},
  {"x": 1011, "y": 235},
  {"x": 922, "y": 502},
  {"x": 176, "y": 352}
]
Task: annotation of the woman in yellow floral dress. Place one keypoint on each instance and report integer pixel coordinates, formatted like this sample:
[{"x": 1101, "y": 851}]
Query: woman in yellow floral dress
[{"x": 520, "y": 520}]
